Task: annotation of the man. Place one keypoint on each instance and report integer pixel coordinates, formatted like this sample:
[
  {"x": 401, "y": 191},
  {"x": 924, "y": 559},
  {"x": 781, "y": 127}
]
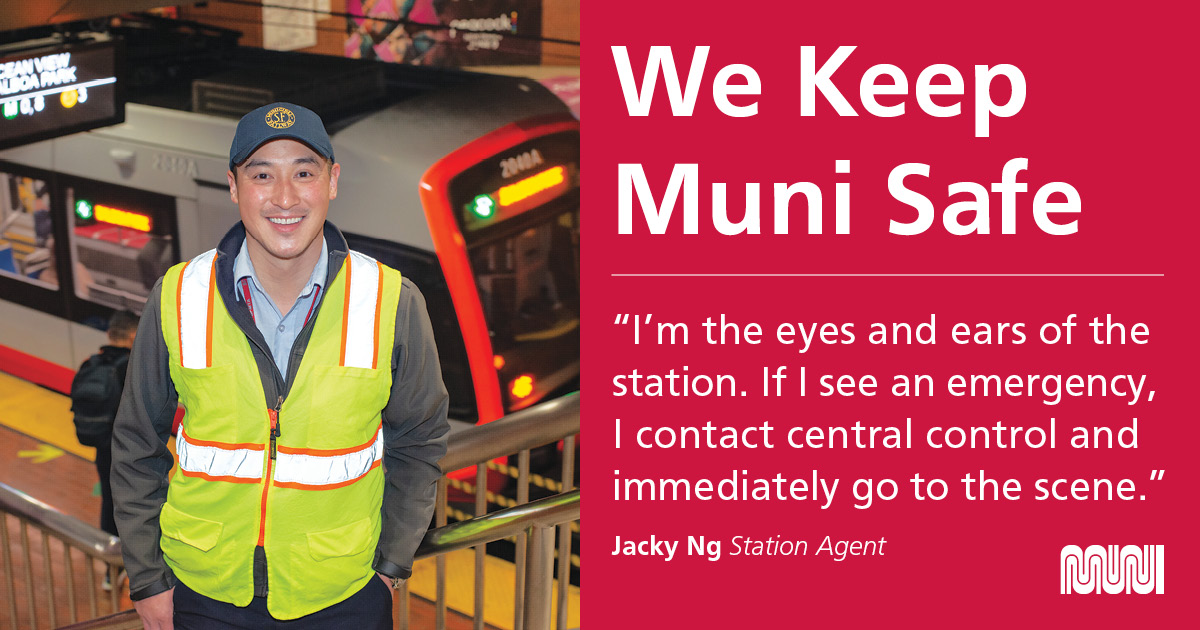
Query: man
[
  {"x": 288, "y": 352},
  {"x": 95, "y": 396}
]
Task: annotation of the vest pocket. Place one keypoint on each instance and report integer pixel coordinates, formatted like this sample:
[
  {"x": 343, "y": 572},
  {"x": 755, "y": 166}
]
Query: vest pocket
[
  {"x": 365, "y": 388},
  {"x": 211, "y": 393},
  {"x": 347, "y": 540},
  {"x": 190, "y": 530}
]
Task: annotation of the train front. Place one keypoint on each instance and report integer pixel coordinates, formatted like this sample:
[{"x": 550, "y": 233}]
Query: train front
[{"x": 501, "y": 204}]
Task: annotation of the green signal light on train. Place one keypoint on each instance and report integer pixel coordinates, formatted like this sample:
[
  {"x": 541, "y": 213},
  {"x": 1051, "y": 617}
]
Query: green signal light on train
[
  {"x": 484, "y": 206},
  {"x": 84, "y": 210}
]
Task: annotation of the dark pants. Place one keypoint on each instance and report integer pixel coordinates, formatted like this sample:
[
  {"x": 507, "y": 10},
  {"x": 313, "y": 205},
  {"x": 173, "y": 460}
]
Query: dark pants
[
  {"x": 103, "y": 466},
  {"x": 368, "y": 609}
]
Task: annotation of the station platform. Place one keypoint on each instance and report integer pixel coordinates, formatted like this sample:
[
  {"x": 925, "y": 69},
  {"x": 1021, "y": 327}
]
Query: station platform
[{"x": 40, "y": 456}]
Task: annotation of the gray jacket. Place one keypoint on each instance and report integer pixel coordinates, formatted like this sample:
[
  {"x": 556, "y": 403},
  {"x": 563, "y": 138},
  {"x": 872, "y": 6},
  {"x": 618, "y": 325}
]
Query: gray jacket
[{"x": 414, "y": 426}]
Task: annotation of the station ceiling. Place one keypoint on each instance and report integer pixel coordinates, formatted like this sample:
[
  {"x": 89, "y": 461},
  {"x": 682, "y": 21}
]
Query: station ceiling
[{"x": 18, "y": 15}]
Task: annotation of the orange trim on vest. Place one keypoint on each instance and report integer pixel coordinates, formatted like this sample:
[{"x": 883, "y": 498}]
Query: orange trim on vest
[
  {"x": 345, "y": 310},
  {"x": 328, "y": 452},
  {"x": 262, "y": 517},
  {"x": 304, "y": 486},
  {"x": 207, "y": 477},
  {"x": 179, "y": 307},
  {"x": 225, "y": 446}
]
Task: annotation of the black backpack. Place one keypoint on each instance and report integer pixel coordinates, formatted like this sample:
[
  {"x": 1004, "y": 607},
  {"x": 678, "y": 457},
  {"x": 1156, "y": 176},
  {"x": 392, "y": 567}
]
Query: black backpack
[{"x": 95, "y": 396}]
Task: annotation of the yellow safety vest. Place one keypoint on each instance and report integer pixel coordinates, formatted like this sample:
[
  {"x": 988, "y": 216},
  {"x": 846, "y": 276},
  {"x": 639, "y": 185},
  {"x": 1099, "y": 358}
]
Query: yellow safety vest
[{"x": 303, "y": 481}]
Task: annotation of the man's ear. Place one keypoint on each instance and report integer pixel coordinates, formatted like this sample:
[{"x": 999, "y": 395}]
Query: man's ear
[
  {"x": 334, "y": 172},
  {"x": 232, "y": 186}
]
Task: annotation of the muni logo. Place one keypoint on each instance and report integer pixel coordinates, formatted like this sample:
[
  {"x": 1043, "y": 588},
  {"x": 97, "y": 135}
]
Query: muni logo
[
  {"x": 280, "y": 118},
  {"x": 1112, "y": 569}
]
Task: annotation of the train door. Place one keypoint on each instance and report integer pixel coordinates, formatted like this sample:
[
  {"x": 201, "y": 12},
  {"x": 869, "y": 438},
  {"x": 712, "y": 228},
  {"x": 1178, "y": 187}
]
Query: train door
[{"x": 35, "y": 340}]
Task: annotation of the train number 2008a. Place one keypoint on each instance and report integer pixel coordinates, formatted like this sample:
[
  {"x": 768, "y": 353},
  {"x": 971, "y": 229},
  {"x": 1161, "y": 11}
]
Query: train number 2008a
[{"x": 523, "y": 162}]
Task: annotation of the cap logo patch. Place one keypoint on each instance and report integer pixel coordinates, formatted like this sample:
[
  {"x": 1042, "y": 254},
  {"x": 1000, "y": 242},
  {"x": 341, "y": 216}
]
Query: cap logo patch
[{"x": 280, "y": 118}]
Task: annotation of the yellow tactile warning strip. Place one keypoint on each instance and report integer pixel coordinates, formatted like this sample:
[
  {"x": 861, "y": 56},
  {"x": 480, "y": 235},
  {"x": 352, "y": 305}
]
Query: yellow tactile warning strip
[
  {"x": 41, "y": 414},
  {"x": 498, "y": 599}
]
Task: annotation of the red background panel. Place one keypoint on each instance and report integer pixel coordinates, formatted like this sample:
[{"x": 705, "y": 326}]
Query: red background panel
[{"x": 1109, "y": 110}]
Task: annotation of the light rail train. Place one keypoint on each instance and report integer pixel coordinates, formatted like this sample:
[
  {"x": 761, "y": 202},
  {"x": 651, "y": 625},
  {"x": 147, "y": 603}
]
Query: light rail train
[{"x": 466, "y": 183}]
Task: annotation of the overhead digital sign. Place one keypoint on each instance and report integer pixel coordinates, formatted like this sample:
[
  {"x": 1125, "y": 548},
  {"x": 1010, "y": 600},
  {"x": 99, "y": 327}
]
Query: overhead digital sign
[
  {"x": 55, "y": 91},
  {"x": 528, "y": 176}
]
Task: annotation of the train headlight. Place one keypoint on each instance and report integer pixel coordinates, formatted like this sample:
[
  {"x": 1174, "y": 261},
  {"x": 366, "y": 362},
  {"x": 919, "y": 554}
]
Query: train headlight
[
  {"x": 84, "y": 210},
  {"x": 521, "y": 386}
]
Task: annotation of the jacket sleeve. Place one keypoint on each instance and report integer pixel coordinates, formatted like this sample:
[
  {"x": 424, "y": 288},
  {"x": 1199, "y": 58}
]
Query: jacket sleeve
[
  {"x": 414, "y": 432},
  {"x": 141, "y": 461}
]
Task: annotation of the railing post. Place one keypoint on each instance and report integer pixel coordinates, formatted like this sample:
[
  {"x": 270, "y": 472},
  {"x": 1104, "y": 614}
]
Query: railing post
[
  {"x": 539, "y": 578},
  {"x": 481, "y": 503},
  {"x": 440, "y": 562},
  {"x": 8, "y": 570},
  {"x": 70, "y": 581},
  {"x": 28, "y": 574},
  {"x": 564, "y": 535},
  {"x": 403, "y": 595},
  {"x": 45, "y": 535},
  {"x": 522, "y": 549}
]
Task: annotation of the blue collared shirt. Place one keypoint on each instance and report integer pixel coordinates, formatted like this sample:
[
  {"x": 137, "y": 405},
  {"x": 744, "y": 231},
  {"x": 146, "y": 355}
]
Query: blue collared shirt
[{"x": 280, "y": 331}]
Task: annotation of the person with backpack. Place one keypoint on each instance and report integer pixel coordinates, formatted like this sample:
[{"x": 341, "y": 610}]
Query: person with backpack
[{"x": 95, "y": 396}]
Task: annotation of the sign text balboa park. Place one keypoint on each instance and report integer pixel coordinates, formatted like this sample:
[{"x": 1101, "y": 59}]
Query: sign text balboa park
[{"x": 25, "y": 75}]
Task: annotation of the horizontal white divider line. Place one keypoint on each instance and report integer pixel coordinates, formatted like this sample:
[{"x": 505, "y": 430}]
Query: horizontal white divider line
[{"x": 889, "y": 275}]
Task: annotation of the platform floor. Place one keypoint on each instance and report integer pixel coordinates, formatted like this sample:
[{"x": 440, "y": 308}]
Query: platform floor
[{"x": 40, "y": 456}]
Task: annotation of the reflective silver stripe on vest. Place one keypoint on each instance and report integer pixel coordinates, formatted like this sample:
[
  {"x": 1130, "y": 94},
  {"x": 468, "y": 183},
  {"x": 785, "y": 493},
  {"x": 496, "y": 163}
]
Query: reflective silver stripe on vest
[
  {"x": 362, "y": 295},
  {"x": 327, "y": 470},
  {"x": 219, "y": 461},
  {"x": 193, "y": 311},
  {"x": 360, "y": 330}
]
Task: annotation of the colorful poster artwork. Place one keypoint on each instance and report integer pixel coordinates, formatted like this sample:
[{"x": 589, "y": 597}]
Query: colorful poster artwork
[{"x": 445, "y": 33}]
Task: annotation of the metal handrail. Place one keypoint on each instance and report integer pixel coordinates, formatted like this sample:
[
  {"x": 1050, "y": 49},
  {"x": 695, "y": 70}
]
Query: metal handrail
[
  {"x": 541, "y": 424},
  {"x": 74, "y": 536},
  {"x": 543, "y": 513},
  {"x": 518, "y": 432},
  {"x": 498, "y": 525},
  {"x": 94, "y": 542}
]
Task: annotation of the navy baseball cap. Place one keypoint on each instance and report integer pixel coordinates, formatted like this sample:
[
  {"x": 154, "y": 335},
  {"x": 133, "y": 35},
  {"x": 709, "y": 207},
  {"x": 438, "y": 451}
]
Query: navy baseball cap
[{"x": 274, "y": 121}]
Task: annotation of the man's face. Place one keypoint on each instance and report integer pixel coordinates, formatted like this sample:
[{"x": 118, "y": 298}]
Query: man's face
[{"x": 283, "y": 192}]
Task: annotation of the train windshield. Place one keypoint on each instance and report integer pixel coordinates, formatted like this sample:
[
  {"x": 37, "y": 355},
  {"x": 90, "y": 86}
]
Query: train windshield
[
  {"x": 121, "y": 242},
  {"x": 519, "y": 216}
]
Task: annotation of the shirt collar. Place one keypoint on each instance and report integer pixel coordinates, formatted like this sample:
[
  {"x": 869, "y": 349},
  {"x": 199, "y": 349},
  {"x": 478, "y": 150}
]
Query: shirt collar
[{"x": 244, "y": 268}]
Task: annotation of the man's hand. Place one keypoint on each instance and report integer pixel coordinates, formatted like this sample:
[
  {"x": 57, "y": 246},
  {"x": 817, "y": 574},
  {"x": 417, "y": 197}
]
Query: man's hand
[
  {"x": 157, "y": 611},
  {"x": 387, "y": 580}
]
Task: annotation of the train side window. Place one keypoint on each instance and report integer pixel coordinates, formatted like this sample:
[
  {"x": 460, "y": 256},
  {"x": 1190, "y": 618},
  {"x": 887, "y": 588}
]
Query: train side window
[
  {"x": 122, "y": 240},
  {"x": 27, "y": 248}
]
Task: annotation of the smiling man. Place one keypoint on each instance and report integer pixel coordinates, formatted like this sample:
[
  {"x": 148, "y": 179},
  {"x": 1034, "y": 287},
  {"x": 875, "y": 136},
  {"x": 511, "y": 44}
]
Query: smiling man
[{"x": 316, "y": 413}]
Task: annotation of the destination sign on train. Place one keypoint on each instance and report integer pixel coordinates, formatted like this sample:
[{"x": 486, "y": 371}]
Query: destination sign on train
[
  {"x": 517, "y": 197},
  {"x": 54, "y": 91}
]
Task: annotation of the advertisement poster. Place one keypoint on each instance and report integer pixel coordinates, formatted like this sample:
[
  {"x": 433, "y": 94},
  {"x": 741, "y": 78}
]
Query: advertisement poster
[
  {"x": 889, "y": 316},
  {"x": 445, "y": 33}
]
